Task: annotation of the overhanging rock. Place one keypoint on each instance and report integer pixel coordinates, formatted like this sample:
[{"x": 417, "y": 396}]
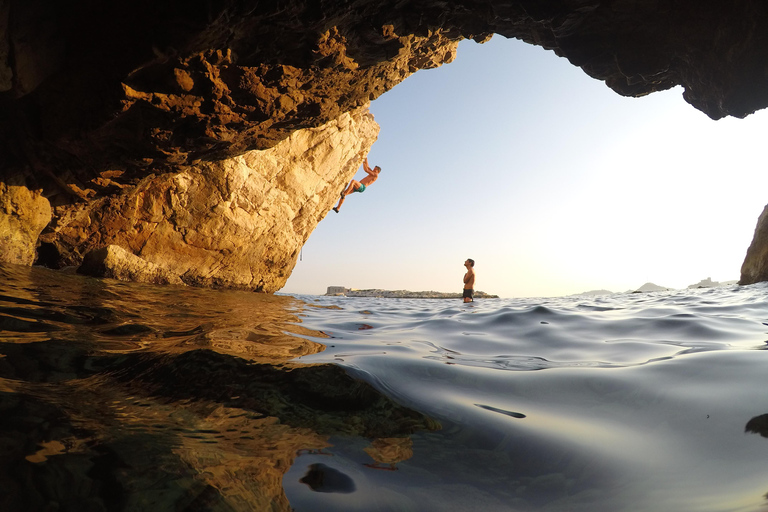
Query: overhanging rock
[{"x": 102, "y": 104}]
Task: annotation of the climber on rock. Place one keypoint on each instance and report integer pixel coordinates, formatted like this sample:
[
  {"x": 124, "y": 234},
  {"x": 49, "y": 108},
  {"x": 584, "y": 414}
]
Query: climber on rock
[{"x": 359, "y": 186}]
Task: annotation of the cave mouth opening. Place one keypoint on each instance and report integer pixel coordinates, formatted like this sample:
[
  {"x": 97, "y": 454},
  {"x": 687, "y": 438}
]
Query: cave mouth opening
[{"x": 551, "y": 181}]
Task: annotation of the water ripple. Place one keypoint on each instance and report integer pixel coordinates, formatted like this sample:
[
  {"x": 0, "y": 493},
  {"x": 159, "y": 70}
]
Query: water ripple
[
  {"x": 116, "y": 395},
  {"x": 606, "y": 332}
]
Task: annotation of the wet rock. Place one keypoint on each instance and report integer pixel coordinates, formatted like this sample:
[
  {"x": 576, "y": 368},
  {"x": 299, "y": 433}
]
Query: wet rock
[{"x": 117, "y": 263}]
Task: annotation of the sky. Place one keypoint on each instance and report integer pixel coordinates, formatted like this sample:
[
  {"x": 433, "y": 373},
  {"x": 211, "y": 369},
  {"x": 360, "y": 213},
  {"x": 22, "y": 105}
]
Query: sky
[{"x": 550, "y": 181}]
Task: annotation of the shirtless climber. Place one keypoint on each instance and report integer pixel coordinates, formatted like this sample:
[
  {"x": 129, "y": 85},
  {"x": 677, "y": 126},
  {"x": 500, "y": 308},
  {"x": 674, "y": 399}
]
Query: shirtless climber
[{"x": 359, "y": 186}]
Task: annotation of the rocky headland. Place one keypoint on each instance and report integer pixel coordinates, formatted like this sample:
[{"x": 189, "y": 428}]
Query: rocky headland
[
  {"x": 202, "y": 143},
  {"x": 755, "y": 266}
]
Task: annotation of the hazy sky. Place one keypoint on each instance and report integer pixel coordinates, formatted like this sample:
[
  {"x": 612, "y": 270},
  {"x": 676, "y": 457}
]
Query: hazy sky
[{"x": 550, "y": 181}]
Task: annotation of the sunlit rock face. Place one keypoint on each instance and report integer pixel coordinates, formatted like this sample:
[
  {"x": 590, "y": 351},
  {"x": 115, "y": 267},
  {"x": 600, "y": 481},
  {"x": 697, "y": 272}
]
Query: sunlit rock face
[
  {"x": 755, "y": 266},
  {"x": 237, "y": 223},
  {"x": 98, "y": 99}
]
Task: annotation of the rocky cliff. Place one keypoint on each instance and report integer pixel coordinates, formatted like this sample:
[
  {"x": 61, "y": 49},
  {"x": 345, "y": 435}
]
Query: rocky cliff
[
  {"x": 130, "y": 125},
  {"x": 755, "y": 266},
  {"x": 238, "y": 222}
]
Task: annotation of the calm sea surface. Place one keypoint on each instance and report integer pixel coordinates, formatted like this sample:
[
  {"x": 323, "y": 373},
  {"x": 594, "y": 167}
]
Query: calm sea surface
[{"x": 120, "y": 396}]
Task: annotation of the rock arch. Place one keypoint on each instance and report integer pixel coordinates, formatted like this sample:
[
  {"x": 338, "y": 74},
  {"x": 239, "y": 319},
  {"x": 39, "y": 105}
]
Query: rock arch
[{"x": 134, "y": 127}]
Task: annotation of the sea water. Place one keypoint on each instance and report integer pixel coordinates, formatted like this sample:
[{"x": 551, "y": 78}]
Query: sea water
[{"x": 119, "y": 396}]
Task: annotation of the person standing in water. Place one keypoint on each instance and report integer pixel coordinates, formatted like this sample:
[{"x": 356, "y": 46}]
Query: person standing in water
[
  {"x": 469, "y": 281},
  {"x": 359, "y": 186}
]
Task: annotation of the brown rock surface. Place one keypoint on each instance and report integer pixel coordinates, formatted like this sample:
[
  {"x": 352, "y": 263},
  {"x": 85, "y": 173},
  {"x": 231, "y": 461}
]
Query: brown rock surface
[
  {"x": 23, "y": 215},
  {"x": 239, "y": 222},
  {"x": 98, "y": 99}
]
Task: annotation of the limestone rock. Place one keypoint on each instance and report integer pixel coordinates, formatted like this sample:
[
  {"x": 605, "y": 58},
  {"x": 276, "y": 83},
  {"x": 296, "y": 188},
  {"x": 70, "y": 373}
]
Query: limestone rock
[
  {"x": 117, "y": 263},
  {"x": 755, "y": 266},
  {"x": 144, "y": 107},
  {"x": 237, "y": 223},
  {"x": 23, "y": 215}
]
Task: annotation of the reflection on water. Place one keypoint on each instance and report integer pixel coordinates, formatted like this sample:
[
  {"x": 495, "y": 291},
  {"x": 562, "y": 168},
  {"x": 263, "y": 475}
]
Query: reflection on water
[
  {"x": 117, "y": 396},
  {"x": 387, "y": 452},
  {"x": 633, "y": 402}
]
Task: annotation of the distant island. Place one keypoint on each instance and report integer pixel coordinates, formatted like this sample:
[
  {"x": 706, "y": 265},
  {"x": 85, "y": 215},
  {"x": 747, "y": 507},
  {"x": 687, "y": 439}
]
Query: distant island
[
  {"x": 651, "y": 287},
  {"x": 341, "y": 291},
  {"x": 709, "y": 283}
]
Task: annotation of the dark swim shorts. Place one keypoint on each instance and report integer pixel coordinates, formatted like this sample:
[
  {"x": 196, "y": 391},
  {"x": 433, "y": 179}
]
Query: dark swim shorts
[
  {"x": 467, "y": 293},
  {"x": 361, "y": 188}
]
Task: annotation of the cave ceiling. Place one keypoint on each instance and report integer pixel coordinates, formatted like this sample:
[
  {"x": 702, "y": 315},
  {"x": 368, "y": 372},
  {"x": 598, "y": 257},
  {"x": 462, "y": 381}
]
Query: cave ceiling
[{"x": 88, "y": 87}]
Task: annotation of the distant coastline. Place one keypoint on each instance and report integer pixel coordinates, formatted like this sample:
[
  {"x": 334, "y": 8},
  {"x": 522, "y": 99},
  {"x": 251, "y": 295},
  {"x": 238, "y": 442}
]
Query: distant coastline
[
  {"x": 341, "y": 291},
  {"x": 651, "y": 287}
]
